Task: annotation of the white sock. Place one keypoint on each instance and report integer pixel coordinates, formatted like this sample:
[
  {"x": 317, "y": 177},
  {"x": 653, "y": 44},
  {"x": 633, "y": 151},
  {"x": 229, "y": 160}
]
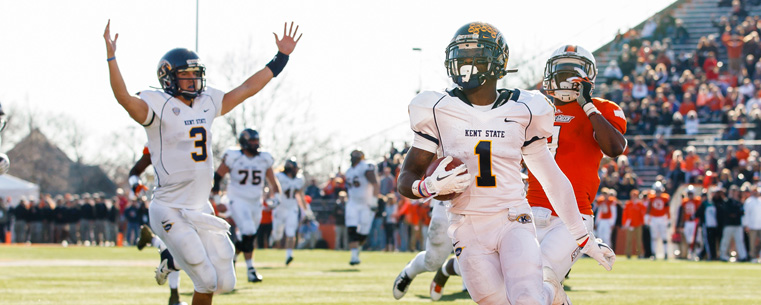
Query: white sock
[
  {"x": 416, "y": 265},
  {"x": 158, "y": 243},
  {"x": 174, "y": 279},
  {"x": 250, "y": 263},
  {"x": 288, "y": 252},
  {"x": 355, "y": 254}
]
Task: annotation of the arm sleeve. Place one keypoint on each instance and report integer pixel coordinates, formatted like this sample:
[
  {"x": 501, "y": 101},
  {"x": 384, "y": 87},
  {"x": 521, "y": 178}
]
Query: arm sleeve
[
  {"x": 556, "y": 185},
  {"x": 423, "y": 123},
  {"x": 154, "y": 99},
  {"x": 216, "y": 98}
]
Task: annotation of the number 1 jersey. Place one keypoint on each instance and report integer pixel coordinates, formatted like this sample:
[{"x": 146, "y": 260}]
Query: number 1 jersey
[
  {"x": 489, "y": 140},
  {"x": 179, "y": 139}
]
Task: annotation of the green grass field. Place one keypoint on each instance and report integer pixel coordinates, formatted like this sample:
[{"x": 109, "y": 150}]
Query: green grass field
[{"x": 79, "y": 275}]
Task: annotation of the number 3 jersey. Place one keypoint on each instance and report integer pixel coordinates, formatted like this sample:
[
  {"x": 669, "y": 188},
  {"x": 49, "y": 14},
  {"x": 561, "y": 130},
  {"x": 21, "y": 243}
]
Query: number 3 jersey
[
  {"x": 489, "y": 140},
  {"x": 247, "y": 175},
  {"x": 577, "y": 152},
  {"x": 179, "y": 139}
]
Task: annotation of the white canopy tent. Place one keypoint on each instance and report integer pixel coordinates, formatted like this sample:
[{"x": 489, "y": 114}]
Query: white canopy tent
[{"x": 15, "y": 188}]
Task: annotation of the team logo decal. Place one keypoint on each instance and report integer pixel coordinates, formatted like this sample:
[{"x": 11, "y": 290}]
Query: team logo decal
[
  {"x": 477, "y": 28},
  {"x": 524, "y": 218},
  {"x": 176, "y": 111},
  {"x": 458, "y": 250},
  {"x": 562, "y": 118},
  {"x": 168, "y": 226},
  {"x": 575, "y": 253}
]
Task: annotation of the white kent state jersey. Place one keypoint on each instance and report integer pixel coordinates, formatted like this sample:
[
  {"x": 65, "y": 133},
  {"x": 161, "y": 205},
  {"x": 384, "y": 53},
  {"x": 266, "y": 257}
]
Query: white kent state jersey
[
  {"x": 358, "y": 188},
  {"x": 289, "y": 186},
  {"x": 179, "y": 139},
  {"x": 247, "y": 175},
  {"x": 489, "y": 142}
]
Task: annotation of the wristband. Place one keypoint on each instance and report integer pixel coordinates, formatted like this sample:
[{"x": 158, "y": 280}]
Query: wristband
[
  {"x": 419, "y": 189},
  {"x": 589, "y": 109},
  {"x": 111, "y": 58},
  {"x": 277, "y": 63}
]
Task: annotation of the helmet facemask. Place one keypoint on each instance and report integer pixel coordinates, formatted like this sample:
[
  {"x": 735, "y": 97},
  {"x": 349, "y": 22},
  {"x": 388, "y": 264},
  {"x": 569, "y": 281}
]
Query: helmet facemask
[
  {"x": 471, "y": 62},
  {"x": 170, "y": 81},
  {"x": 559, "y": 73}
]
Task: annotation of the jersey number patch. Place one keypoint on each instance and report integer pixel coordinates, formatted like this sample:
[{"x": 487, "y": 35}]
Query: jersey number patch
[
  {"x": 200, "y": 143},
  {"x": 256, "y": 177},
  {"x": 485, "y": 177}
]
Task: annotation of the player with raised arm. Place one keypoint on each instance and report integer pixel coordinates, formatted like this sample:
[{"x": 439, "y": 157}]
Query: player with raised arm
[
  {"x": 247, "y": 167},
  {"x": 167, "y": 268},
  {"x": 285, "y": 216},
  {"x": 490, "y": 130},
  {"x": 584, "y": 129},
  {"x": 177, "y": 121},
  {"x": 363, "y": 190}
]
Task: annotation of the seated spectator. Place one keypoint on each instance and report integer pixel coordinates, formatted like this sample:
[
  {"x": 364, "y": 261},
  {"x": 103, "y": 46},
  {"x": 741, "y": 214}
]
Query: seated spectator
[
  {"x": 681, "y": 35},
  {"x": 639, "y": 89},
  {"x": 677, "y": 123},
  {"x": 691, "y": 123},
  {"x": 612, "y": 72},
  {"x": 747, "y": 90}
]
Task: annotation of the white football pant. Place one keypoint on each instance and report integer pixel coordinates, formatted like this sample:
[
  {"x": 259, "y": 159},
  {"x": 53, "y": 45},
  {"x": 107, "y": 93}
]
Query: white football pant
[
  {"x": 500, "y": 259},
  {"x": 205, "y": 255},
  {"x": 284, "y": 220},
  {"x": 559, "y": 248},
  {"x": 360, "y": 216},
  {"x": 247, "y": 215}
]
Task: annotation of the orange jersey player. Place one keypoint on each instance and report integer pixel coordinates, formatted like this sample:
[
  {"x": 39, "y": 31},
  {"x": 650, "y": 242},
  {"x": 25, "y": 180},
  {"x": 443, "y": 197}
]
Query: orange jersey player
[
  {"x": 584, "y": 129},
  {"x": 658, "y": 212}
]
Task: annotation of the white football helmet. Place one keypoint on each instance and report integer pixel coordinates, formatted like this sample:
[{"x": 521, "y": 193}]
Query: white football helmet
[{"x": 567, "y": 62}]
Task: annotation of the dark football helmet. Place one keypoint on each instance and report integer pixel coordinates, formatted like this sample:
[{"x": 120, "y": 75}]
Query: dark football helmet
[
  {"x": 356, "y": 156},
  {"x": 474, "y": 45},
  {"x": 177, "y": 60},
  {"x": 249, "y": 141},
  {"x": 291, "y": 166}
]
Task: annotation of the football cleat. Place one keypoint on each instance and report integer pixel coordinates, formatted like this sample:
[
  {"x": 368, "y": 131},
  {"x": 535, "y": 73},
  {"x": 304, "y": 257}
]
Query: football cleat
[
  {"x": 401, "y": 284},
  {"x": 253, "y": 277},
  {"x": 561, "y": 298},
  {"x": 354, "y": 262},
  {"x": 162, "y": 271},
  {"x": 146, "y": 235},
  {"x": 437, "y": 285},
  {"x": 288, "y": 260}
]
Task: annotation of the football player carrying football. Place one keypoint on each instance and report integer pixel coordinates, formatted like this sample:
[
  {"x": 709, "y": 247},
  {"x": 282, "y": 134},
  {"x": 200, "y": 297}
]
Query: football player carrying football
[
  {"x": 584, "y": 129},
  {"x": 178, "y": 121},
  {"x": 491, "y": 130}
]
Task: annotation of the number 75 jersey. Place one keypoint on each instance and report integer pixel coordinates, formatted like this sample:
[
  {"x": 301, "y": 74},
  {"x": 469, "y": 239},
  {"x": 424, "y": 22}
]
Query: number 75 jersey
[
  {"x": 179, "y": 139},
  {"x": 488, "y": 140}
]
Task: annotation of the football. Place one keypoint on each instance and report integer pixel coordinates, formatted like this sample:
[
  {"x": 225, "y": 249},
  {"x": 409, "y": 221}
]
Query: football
[
  {"x": 5, "y": 164},
  {"x": 432, "y": 167}
]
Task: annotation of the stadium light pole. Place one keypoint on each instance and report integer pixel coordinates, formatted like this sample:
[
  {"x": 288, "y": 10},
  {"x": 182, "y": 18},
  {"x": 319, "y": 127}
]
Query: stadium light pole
[{"x": 420, "y": 70}]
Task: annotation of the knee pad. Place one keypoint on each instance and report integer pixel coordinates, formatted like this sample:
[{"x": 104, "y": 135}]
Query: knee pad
[
  {"x": 353, "y": 235},
  {"x": 361, "y": 238},
  {"x": 247, "y": 243}
]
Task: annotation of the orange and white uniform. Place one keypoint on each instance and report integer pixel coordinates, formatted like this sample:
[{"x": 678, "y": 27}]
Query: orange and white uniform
[
  {"x": 659, "y": 213},
  {"x": 578, "y": 155},
  {"x": 689, "y": 207},
  {"x": 606, "y": 217}
]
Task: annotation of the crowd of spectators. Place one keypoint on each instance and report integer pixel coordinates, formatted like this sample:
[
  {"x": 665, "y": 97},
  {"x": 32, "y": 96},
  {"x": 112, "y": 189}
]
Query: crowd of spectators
[{"x": 86, "y": 219}]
